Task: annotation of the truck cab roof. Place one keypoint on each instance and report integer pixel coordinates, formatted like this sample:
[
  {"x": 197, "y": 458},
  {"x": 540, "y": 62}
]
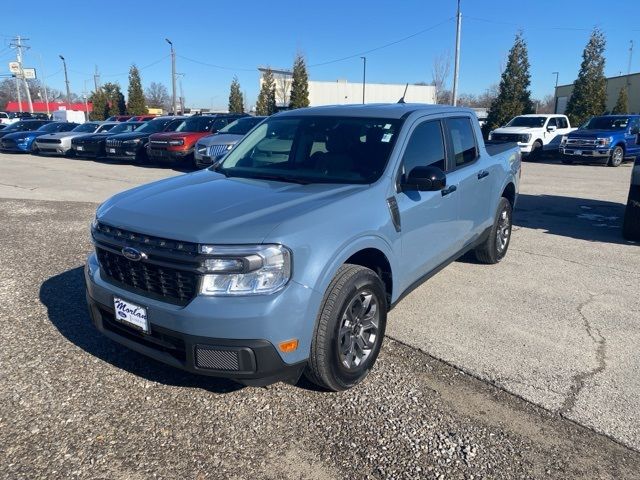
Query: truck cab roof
[{"x": 376, "y": 110}]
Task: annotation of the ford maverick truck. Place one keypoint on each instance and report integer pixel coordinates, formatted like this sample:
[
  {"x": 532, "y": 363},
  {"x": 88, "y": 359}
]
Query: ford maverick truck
[{"x": 285, "y": 257}]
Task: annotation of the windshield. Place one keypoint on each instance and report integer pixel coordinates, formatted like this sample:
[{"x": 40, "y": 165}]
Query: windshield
[
  {"x": 241, "y": 126},
  {"x": 50, "y": 127},
  {"x": 528, "y": 122},
  {"x": 85, "y": 128},
  {"x": 154, "y": 126},
  {"x": 314, "y": 150},
  {"x": 124, "y": 127},
  {"x": 606, "y": 123},
  {"x": 197, "y": 124}
]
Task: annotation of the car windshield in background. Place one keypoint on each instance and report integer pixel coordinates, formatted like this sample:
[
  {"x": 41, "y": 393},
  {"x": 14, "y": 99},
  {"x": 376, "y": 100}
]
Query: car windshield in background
[
  {"x": 241, "y": 126},
  {"x": 197, "y": 124},
  {"x": 49, "y": 127},
  {"x": 327, "y": 150},
  {"x": 85, "y": 128},
  {"x": 527, "y": 122},
  {"x": 154, "y": 126},
  {"x": 606, "y": 123},
  {"x": 124, "y": 127}
]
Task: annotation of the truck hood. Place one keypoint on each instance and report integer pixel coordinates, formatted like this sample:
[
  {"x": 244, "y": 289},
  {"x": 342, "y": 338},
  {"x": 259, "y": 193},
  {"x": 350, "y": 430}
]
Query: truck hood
[
  {"x": 220, "y": 139},
  {"x": 206, "y": 207},
  {"x": 516, "y": 129},
  {"x": 130, "y": 135},
  {"x": 595, "y": 133}
]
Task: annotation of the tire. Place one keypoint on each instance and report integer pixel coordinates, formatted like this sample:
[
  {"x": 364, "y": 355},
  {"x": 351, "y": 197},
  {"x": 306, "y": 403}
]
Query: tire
[
  {"x": 495, "y": 247},
  {"x": 631, "y": 224},
  {"x": 355, "y": 294},
  {"x": 33, "y": 149},
  {"x": 536, "y": 151},
  {"x": 617, "y": 156}
]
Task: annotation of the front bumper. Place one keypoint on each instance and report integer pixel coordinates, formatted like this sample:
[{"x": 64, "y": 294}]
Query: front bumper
[
  {"x": 245, "y": 328},
  {"x": 578, "y": 152},
  {"x": 87, "y": 150},
  {"x": 53, "y": 149},
  {"x": 11, "y": 146},
  {"x": 162, "y": 155}
]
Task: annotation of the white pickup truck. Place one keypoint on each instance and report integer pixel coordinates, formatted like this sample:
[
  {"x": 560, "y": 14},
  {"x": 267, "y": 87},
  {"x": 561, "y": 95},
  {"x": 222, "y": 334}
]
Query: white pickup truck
[{"x": 534, "y": 133}]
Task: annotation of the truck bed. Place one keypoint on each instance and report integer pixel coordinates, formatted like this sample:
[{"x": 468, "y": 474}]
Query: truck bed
[{"x": 495, "y": 147}]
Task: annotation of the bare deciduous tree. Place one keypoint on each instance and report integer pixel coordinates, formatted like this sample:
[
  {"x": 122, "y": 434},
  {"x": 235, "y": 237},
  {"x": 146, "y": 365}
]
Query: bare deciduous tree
[
  {"x": 283, "y": 88},
  {"x": 440, "y": 72}
]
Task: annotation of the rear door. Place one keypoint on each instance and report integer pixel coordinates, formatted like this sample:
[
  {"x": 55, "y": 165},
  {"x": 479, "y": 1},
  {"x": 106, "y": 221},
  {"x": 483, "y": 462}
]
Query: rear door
[
  {"x": 474, "y": 175},
  {"x": 429, "y": 220},
  {"x": 632, "y": 139}
]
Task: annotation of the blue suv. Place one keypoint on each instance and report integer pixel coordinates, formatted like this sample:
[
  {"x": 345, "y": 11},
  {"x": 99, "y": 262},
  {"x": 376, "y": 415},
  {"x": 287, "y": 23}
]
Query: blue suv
[
  {"x": 285, "y": 257},
  {"x": 609, "y": 138}
]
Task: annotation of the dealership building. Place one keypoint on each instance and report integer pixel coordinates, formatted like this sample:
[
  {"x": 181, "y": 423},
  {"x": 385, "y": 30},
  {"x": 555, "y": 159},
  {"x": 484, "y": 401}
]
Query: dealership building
[
  {"x": 342, "y": 92},
  {"x": 614, "y": 84}
]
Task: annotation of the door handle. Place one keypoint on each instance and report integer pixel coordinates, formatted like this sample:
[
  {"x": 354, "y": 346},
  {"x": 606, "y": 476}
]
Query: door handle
[
  {"x": 448, "y": 190},
  {"x": 482, "y": 174}
]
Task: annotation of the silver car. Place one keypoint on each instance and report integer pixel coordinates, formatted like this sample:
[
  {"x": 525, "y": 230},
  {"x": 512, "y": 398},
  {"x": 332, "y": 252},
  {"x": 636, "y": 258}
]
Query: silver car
[
  {"x": 60, "y": 143},
  {"x": 212, "y": 148}
]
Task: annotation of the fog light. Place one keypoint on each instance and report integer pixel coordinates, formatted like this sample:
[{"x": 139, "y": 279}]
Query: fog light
[{"x": 288, "y": 346}]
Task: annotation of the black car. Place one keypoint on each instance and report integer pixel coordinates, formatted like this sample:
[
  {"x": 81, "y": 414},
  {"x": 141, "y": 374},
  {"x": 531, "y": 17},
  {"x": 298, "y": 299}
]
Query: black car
[
  {"x": 93, "y": 145},
  {"x": 23, "y": 126},
  {"x": 132, "y": 146}
]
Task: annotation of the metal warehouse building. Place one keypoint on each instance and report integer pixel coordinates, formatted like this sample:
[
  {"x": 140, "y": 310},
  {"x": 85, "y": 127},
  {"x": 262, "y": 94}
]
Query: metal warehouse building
[
  {"x": 342, "y": 92},
  {"x": 614, "y": 84}
]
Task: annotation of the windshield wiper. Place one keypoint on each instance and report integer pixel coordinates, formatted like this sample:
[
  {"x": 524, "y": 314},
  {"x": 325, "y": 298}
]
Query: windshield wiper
[{"x": 278, "y": 178}]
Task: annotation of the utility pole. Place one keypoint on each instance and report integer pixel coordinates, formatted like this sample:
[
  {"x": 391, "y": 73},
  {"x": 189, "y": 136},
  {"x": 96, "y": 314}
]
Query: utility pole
[
  {"x": 44, "y": 85},
  {"x": 555, "y": 93},
  {"x": 66, "y": 78},
  {"x": 364, "y": 75},
  {"x": 181, "y": 75},
  {"x": 454, "y": 93},
  {"x": 96, "y": 80},
  {"x": 629, "y": 66},
  {"x": 17, "y": 44},
  {"x": 173, "y": 76}
]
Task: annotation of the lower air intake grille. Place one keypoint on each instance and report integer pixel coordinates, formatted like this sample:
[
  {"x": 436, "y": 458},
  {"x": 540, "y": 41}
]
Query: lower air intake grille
[{"x": 215, "y": 359}]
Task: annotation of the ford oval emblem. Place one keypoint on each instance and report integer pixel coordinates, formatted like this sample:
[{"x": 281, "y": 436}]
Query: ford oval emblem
[{"x": 133, "y": 254}]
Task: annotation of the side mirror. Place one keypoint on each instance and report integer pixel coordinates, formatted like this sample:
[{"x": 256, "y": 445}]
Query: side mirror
[
  {"x": 424, "y": 179},
  {"x": 551, "y": 128}
]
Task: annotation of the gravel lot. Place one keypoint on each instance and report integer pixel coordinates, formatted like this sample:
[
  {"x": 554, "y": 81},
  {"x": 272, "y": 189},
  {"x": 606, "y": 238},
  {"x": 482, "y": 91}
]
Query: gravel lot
[{"x": 75, "y": 405}]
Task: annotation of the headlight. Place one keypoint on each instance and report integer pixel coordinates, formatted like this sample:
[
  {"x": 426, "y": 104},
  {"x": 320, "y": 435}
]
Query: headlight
[
  {"x": 201, "y": 149},
  {"x": 563, "y": 141},
  {"x": 21, "y": 140},
  {"x": 245, "y": 270},
  {"x": 603, "y": 142},
  {"x": 524, "y": 138},
  {"x": 135, "y": 141},
  {"x": 229, "y": 147},
  {"x": 175, "y": 143}
]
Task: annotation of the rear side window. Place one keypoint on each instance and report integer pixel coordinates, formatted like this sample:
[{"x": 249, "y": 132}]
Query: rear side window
[
  {"x": 562, "y": 122},
  {"x": 425, "y": 147},
  {"x": 463, "y": 141},
  {"x": 552, "y": 122}
]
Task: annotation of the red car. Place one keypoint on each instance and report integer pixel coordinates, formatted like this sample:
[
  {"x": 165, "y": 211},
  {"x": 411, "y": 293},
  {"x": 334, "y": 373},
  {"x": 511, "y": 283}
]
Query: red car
[
  {"x": 178, "y": 146},
  {"x": 141, "y": 118}
]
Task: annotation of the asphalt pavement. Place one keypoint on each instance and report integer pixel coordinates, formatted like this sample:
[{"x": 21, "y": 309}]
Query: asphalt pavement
[{"x": 507, "y": 371}]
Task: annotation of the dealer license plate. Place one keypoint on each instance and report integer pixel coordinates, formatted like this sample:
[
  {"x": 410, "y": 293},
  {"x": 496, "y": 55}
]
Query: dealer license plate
[
  {"x": 131, "y": 314},
  {"x": 577, "y": 152},
  {"x": 111, "y": 150},
  {"x": 80, "y": 148}
]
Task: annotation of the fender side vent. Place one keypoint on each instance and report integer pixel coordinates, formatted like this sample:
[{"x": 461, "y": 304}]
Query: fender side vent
[{"x": 394, "y": 211}]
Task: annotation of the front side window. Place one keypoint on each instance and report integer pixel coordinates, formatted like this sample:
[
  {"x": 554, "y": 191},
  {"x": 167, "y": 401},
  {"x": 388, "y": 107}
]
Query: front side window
[
  {"x": 85, "y": 128},
  {"x": 464, "y": 141},
  {"x": 425, "y": 147},
  {"x": 314, "y": 149}
]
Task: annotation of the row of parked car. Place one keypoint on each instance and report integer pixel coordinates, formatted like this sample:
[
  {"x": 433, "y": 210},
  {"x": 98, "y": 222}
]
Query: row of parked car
[
  {"x": 198, "y": 140},
  {"x": 605, "y": 138}
]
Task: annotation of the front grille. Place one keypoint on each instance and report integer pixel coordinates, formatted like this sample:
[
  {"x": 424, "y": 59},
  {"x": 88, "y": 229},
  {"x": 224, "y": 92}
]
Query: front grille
[
  {"x": 170, "y": 271},
  {"x": 160, "y": 143},
  {"x": 215, "y": 150},
  {"x": 505, "y": 137},
  {"x": 49, "y": 140},
  {"x": 114, "y": 143},
  {"x": 217, "y": 359},
  {"x": 581, "y": 142},
  {"x": 166, "y": 283}
]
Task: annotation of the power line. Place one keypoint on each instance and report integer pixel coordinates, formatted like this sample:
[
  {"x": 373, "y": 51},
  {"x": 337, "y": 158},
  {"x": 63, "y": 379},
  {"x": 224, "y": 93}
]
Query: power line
[
  {"x": 212, "y": 65},
  {"x": 498, "y": 22}
]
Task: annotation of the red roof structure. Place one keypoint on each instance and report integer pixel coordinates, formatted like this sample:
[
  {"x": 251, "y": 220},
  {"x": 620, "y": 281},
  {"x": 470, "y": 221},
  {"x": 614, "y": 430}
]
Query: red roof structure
[{"x": 41, "y": 107}]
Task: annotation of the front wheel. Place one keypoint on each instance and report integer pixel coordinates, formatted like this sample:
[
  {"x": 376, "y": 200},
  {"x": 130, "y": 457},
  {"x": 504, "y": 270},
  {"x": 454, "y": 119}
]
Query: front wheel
[
  {"x": 495, "y": 247},
  {"x": 616, "y": 158},
  {"x": 349, "y": 329},
  {"x": 536, "y": 151},
  {"x": 33, "y": 149}
]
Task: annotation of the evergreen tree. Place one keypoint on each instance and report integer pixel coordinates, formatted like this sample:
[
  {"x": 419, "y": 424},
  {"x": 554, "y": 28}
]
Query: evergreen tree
[
  {"x": 622, "y": 104},
  {"x": 115, "y": 99},
  {"x": 100, "y": 105},
  {"x": 266, "y": 104},
  {"x": 300, "y": 84},
  {"x": 236, "y": 102},
  {"x": 136, "y": 104},
  {"x": 589, "y": 95},
  {"x": 514, "y": 96}
]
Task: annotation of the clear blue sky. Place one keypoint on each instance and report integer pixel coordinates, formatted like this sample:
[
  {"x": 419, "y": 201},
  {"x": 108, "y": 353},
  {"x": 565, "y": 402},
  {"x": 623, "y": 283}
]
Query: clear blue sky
[{"x": 244, "y": 34}]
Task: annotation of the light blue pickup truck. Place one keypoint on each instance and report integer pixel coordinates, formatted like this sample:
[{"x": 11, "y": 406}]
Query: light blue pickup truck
[{"x": 286, "y": 256}]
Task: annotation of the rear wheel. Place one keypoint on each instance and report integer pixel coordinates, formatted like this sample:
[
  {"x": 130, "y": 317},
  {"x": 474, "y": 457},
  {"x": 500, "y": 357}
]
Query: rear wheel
[
  {"x": 349, "y": 330},
  {"x": 617, "y": 156},
  {"x": 495, "y": 247}
]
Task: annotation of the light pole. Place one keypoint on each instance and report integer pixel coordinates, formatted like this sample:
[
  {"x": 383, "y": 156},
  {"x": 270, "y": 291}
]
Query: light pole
[
  {"x": 555, "y": 93},
  {"x": 66, "y": 79},
  {"x": 173, "y": 76},
  {"x": 456, "y": 65},
  {"x": 364, "y": 76}
]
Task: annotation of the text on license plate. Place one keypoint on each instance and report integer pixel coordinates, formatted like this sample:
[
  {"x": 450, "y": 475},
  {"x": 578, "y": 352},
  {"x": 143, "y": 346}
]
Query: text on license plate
[
  {"x": 80, "y": 148},
  {"x": 111, "y": 150},
  {"x": 577, "y": 152},
  {"x": 131, "y": 314}
]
